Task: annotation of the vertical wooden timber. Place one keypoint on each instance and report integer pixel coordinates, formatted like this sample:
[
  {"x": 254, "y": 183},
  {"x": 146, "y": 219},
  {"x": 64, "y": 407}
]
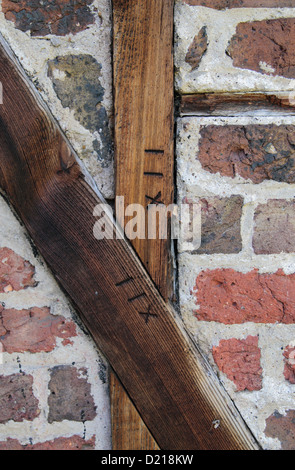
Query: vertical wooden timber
[
  {"x": 144, "y": 120},
  {"x": 128, "y": 429},
  {"x": 143, "y": 96},
  {"x": 169, "y": 381}
]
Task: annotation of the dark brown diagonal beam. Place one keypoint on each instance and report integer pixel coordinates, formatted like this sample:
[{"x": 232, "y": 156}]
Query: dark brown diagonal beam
[{"x": 170, "y": 384}]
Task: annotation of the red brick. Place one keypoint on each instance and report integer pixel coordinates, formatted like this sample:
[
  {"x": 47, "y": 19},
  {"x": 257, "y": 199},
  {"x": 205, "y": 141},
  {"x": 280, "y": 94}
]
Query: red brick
[
  {"x": 274, "y": 227},
  {"x": 61, "y": 443},
  {"x": 239, "y": 360},
  {"x": 17, "y": 401},
  {"x": 15, "y": 272},
  {"x": 230, "y": 297},
  {"x": 10, "y": 444},
  {"x": 65, "y": 443},
  {"x": 70, "y": 397},
  {"x": 58, "y": 17},
  {"x": 282, "y": 428},
  {"x": 289, "y": 370},
  {"x": 33, "y": 330},
  {"x": 254, "y": 152},
  {"x": 223, "y": 4},
  {"x": 270, "y": 42},
  {"x": 197, "y": 49}
]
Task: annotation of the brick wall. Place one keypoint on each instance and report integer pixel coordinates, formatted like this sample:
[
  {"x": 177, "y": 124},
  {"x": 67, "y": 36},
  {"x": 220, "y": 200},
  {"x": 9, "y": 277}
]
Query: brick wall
[
  {"x": 53, "y": 380},
  {"x": 237, "y": 291}
]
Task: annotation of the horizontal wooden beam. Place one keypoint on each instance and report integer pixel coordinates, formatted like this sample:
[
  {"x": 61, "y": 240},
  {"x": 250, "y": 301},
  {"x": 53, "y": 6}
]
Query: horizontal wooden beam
[
  {"x": 128, "y": 430},
  {"x": 227, "y": 104},
  {"x": 172, "y": 386}
]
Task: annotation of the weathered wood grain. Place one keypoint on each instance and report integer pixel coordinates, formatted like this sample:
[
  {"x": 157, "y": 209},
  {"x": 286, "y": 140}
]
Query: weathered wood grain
[
  {"x": 128, "y": 429},
  {"x": 231, "y": 104},
  {"x": 144, "y": 99},
  {"x": 144, "y": 119},
  {"x": 171, "y": 385}
]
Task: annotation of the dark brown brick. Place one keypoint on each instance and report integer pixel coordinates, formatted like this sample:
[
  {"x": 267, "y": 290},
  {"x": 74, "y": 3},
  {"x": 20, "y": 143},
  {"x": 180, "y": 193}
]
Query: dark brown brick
[
  {"x": 282, "y": 428},
  {"x": 239, "y": 360},
  {"x": 70, "y": 397},
  {"x": 59, "y": 17},
  {"x": 223, "y": 4},
  {"x": 274, "y": 227},
  {"x": 221, "y": 225},
  {"x": 17, "y": 401},
  {"x": 254, "y": 152},
  {"x": 270, "y": 42},
  {"x": 197, "y": 49}
]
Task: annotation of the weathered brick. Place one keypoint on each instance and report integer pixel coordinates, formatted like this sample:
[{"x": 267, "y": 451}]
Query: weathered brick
[
  {"x": 15, "y": 272},
  {"x": 239, "y": 360},
  {"x": 76, "y": 81},
  {"x": 60, "y": 443},
  {"x": 10, "y": 444},
  {"x": 197, "y": 49},
  {"x": 230, "y": 297},
  {"x": 65, "y": 443},
  {"x": 254, "y": 152},
  {"x": 33, "y": 330},
  {"x": 223, "y": 4},
  {"x": 221, "y": 225},
  {"x": 70, "y": 397},
  {"x": 282, "y": 428},
  {"x": 17, "y": 401},
  {"x": 274, "y": 227},
  {"x": 265, "y": 46},
  {"x": 289, "y": 369},
  {"x": 58, "y": 17}
]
